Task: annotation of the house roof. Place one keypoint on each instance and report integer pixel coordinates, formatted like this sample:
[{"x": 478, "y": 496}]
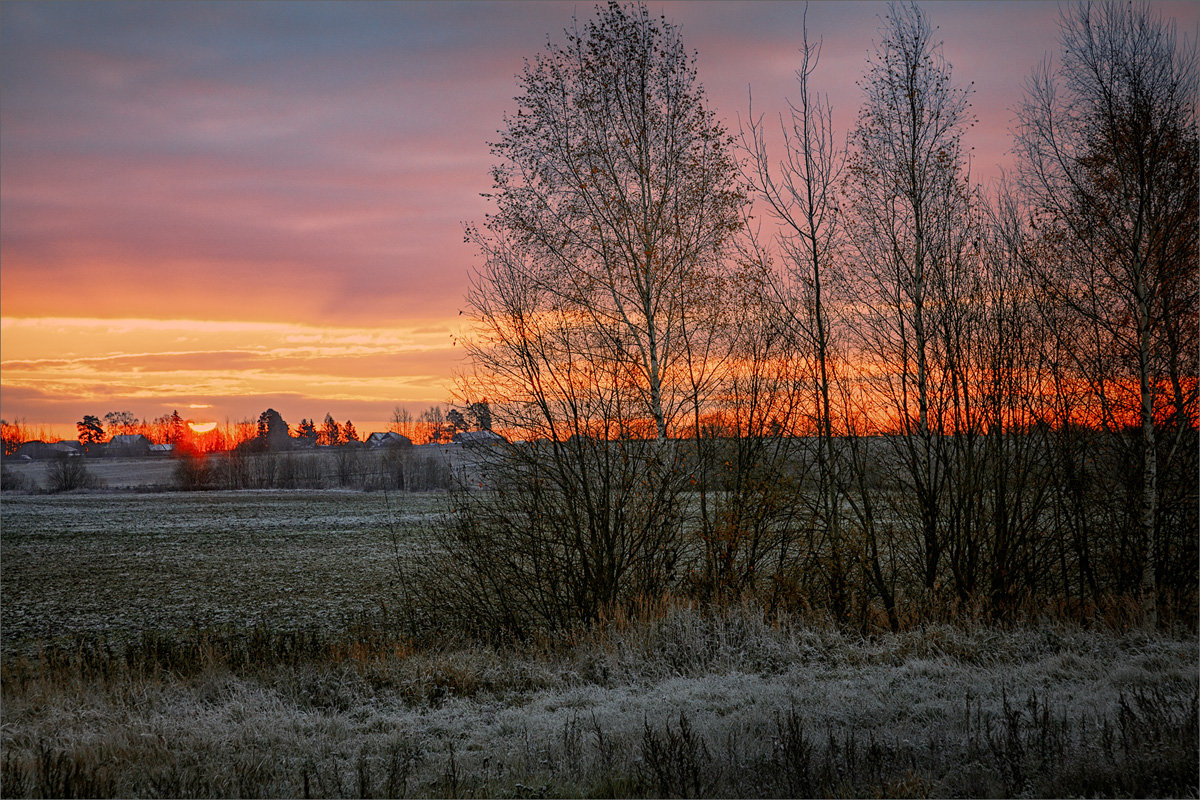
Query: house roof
[
  {"x": 477, "y": 437},
  {"x": 380, "y": 438},
  {"x": 129, "y": 439}
]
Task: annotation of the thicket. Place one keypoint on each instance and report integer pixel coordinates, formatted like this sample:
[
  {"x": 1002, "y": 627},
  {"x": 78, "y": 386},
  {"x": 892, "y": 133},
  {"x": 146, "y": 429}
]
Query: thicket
[
  {"x": 914, "y": 400},
  {"x": 571, "y": 532}
]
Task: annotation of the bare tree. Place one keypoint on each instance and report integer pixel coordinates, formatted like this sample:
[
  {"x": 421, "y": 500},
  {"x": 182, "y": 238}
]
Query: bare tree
[
  {"x": 1008, "y": 542},
  {"x": 402, "y": 422},
  {"x": 616, "y": 180},
  {"x": 911, "y": 222},
  {"x": 1108, "y": 146},
  {"x": 120, "y": 422},
  {"x": 800, "y": 190},
  {"x": 599, "y": 323},
  {"x": 432, "y": 427}
]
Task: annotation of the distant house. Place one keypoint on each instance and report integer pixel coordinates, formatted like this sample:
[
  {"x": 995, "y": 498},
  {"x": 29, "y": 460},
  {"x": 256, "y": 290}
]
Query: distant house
[
  {"x": 161, "y": 449},
  {"x": 477, "y": 438},
  {"x": 66, "y": 448},
  {"x": 128, "y": 445},
  {"x": 36, "y": 449},
  {"x": 387, "y": 439}
]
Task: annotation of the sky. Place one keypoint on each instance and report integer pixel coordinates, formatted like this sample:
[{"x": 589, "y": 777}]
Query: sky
[{"x": 219, "y": 207}]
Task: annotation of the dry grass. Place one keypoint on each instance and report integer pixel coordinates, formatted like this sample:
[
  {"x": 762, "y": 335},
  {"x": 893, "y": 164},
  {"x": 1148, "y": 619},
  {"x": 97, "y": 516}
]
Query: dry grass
[
  {"x": 327, "y": 695},
  {"x": 681, "y": 704}
]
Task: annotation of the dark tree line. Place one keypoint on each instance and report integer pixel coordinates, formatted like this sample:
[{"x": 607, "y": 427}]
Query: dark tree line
[{"x": 910, "y": 398}]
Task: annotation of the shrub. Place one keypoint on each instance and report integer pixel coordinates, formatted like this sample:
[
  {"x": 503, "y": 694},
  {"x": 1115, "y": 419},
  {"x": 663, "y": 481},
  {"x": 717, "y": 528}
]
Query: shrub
[
  {"x": 193, "y": 473},
  {"x": 405, "y": 469},
  {"x": 232, "y": 471},
  {"x": 570, "y": 533},
  {"x": 11, "y": 480},
  {"x": 348, "y": 467},
  {"x": 68, "y": 474}
]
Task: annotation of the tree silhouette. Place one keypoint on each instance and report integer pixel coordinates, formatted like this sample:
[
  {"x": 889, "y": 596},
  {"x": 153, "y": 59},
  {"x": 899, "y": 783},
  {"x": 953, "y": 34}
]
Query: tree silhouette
[
  {"x": 120, "y": 421},
  {"x": 91, "y": 431},
  {"x": 272, "y": 431},
  {"x": 480, "y": 414},
  {"x": 331, "y": 432},
  {"x": 616, "y": 196},
  {"x": 307, "y": 431},
  {"x": 1108, "y": 147}
]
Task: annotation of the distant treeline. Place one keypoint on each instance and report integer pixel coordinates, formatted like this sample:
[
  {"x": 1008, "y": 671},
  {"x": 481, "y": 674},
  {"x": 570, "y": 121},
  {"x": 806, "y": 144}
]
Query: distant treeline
[{"x": 435, "y": 424}]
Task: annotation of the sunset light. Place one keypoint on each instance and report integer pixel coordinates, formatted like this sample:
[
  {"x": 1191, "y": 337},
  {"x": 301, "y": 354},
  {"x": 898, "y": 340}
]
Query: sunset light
[
  {"x": 643, "y": 398},
  {"x": 278, "y": 222}
]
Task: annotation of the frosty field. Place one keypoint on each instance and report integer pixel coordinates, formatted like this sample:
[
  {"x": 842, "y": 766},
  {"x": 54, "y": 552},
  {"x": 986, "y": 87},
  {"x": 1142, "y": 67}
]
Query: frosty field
[
  {"x": 122, "y": 563},
  {"x": 166, "y": 668}
]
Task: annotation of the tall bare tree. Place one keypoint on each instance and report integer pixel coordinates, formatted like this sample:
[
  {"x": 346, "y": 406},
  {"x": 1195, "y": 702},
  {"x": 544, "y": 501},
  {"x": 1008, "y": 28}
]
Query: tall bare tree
[
  {"x": 1108, "y": 144},
  {"x": 909, "y": 227},
  {"x": 617, "y": 181},
  {"x": 599, "y": 321},
  {"x": 800, "y": 190}
]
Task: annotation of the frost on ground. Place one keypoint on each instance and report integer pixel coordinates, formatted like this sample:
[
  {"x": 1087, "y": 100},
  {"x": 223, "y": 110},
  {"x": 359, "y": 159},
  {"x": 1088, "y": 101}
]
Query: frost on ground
[
  {"x": 222, "y": 644},
  {"x": 681, "y": 704}
]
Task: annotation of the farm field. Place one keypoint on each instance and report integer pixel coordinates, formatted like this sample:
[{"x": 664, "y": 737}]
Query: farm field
[
  {"x": 112, "y": 473},
  {"x": 301, "y": 469},
  {"x": 677, "y": 703},
  {"x": 118, "y": 564}
]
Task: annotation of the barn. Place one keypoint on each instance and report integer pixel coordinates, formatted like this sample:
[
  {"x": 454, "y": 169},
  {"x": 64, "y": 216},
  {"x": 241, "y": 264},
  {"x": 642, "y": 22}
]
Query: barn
[{"x": 128, "y": 445}]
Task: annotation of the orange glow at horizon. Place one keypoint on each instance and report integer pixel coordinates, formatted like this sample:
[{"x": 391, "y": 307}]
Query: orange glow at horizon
[
  {"x": 301, "y": 224},
  {"x": 58, "y": 369},
  {"x": 202, "y": 427}
]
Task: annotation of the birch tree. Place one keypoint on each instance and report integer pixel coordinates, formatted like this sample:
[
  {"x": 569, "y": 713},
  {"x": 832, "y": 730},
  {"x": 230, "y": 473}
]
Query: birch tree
[{"x": 1108, "y": 144}]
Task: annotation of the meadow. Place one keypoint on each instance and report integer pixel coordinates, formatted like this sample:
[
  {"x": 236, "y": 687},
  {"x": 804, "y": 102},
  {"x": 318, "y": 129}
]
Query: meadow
[{"x": 254, "y": 643}]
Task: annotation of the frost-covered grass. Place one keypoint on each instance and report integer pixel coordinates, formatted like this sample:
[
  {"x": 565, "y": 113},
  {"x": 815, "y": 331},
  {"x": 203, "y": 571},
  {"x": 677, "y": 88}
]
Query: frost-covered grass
[
  {"x": 167, "y": 678},
  {"x": 682, "y": 703}
]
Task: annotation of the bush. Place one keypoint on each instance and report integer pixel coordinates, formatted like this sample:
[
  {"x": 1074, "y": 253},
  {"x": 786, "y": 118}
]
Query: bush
[
  {"x": 193, "y": 473},
  {"x": 68, "y": 474},
  {"x": 571, "y": 532},
  {"x": 11, "y": 481},
  {"x": 348, "y": 467}
]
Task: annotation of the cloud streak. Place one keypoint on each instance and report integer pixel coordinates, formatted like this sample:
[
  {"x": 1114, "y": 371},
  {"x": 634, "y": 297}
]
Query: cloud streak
[{"x": 91, "y": 366}]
